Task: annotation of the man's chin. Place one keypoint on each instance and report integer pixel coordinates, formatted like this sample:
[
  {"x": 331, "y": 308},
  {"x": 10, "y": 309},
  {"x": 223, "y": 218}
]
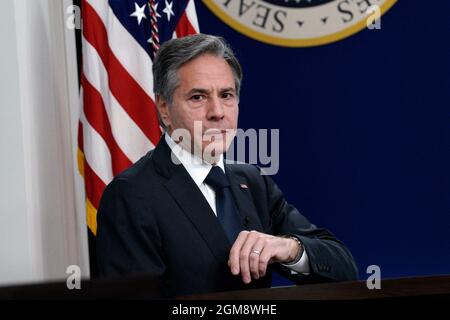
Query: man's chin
[{"x": 213, "y": 150}]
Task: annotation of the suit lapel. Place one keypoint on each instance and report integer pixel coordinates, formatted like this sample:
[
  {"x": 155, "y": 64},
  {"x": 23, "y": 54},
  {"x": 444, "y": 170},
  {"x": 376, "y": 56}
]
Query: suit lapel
[
  {"x": 190, "y": 199},
  {"x": 192, "y": 202},
  {"x": 194, "y": 205}
]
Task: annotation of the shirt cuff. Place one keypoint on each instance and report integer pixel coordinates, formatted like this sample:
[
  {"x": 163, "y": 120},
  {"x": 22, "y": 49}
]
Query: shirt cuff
[{"x": 302, "y": 266}]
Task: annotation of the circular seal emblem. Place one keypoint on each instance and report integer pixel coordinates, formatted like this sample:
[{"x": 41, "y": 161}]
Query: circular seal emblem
[{"x": 299, "y": 23}]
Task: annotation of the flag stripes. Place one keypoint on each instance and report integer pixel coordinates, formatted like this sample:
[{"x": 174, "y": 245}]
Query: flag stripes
[{"x": 118, "y": 121}]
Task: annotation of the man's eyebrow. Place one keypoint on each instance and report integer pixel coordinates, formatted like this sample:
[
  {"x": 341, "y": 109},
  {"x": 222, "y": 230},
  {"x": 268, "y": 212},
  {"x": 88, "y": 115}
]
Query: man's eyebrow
[
  {"x": 198, "y": 90},
  {"x": 228, "y": 89},
  {"x": 206, "y": 91}
]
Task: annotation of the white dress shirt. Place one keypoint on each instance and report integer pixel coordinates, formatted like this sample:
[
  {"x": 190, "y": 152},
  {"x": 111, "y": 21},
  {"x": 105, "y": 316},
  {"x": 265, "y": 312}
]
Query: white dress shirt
[{"x": 199, "y": 170}]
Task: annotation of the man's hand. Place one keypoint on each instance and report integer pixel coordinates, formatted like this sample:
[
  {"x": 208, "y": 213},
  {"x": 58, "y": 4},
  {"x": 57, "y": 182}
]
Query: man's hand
[{"x": 253, "y": 251}]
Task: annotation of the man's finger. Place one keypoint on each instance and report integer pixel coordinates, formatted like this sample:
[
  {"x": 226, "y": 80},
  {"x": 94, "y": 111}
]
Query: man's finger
[
  {"x": 244, "y": 255},
  {"x": 234, "y": 252},
  {"x": 254, "y": 261},
  {"x": 255, "y": 255},
  {"x": 264, "y": 261}
]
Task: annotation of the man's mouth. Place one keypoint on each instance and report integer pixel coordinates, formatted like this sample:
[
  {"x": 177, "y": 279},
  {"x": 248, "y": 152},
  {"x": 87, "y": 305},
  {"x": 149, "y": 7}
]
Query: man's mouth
[{"x": 215, "y": 132}]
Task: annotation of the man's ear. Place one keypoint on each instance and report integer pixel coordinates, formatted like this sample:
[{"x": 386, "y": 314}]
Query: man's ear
[{"x": 163, "y": 110}]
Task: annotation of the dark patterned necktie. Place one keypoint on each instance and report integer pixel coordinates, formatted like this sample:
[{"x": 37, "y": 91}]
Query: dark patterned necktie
[{"x": 227, "y": 212}]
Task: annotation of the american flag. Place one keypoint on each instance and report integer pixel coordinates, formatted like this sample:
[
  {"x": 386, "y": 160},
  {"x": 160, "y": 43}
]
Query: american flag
[{"x": 118, "y": 121}]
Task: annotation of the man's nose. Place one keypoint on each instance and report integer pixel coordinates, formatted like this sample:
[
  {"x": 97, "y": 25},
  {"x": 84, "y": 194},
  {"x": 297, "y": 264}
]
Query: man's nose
[{"x": 215, "y": 109}]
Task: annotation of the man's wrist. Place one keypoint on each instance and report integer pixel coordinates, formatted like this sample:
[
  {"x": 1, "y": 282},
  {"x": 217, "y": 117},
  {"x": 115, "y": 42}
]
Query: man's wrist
[{"x": 296, "y": 250}]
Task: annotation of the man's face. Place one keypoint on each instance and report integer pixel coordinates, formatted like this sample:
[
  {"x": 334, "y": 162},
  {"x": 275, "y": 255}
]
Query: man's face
[{"x": 206, "y": 95}]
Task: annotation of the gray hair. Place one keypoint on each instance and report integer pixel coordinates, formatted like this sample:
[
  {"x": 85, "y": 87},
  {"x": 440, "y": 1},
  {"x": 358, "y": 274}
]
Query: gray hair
[{"x": 174, "y": 53}]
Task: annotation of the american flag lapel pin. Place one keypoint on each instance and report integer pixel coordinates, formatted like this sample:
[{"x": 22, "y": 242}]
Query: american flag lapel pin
[{"x": 243, "y": 186}]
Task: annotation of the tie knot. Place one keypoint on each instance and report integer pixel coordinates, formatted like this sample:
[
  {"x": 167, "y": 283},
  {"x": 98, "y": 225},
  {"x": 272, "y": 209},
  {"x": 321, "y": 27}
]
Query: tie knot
[{"x": 217, "y": 179}]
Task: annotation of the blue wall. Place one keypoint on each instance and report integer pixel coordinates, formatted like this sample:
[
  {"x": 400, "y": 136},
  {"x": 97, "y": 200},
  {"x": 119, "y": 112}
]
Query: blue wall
[{"x": 365, "y": 132}]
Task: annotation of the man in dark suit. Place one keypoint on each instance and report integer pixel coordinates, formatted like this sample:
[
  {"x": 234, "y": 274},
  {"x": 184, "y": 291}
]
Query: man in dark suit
[{"x": 185, "y": 216}]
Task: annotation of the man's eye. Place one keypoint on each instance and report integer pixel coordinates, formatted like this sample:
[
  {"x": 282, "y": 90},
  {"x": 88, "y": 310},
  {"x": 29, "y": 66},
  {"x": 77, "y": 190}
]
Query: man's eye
[
  {"x": 197, "y": 97},
  {"x": 227, "y": 95}
]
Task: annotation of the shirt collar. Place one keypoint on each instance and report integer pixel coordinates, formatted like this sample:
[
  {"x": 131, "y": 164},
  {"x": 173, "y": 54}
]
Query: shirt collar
[{"x": 196, "y": 167}]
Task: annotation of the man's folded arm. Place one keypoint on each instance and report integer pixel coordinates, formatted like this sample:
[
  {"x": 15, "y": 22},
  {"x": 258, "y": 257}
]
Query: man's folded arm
[{"x": 327, "y": 256}]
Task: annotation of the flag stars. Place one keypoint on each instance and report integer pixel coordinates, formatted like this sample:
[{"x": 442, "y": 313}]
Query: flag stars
[
  {"x": 139, "y": 13},
  {"x": 168, "y": 10},
  {"x": 156, "y": 10}
]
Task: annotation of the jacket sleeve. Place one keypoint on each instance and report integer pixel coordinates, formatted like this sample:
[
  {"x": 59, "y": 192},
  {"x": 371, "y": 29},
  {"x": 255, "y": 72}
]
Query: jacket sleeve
[
  {"x": 329, "y": 258},
  {"x": 125, "y": 243}
]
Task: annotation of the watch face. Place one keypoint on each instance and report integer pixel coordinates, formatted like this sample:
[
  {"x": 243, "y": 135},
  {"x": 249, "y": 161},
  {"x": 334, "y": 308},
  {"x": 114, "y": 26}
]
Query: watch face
[{"x": 299, "y": 23}]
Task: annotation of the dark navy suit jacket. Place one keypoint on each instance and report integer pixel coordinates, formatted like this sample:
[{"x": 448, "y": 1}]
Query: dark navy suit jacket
[{"x": 153, "y": 219}]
